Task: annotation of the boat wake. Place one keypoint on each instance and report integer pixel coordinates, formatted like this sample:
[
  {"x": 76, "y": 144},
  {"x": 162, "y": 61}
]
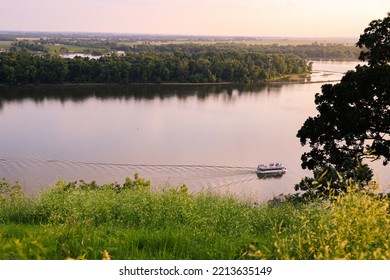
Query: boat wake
[{"x": 37, "y": 174}]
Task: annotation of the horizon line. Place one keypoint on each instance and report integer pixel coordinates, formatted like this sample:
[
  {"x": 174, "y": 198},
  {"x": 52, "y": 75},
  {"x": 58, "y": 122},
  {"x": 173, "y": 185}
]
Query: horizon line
[{"x": 179, "y": 35}]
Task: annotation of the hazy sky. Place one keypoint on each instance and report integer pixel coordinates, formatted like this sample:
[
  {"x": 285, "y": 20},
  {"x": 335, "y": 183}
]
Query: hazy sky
[{"x": 293, "y": 18}]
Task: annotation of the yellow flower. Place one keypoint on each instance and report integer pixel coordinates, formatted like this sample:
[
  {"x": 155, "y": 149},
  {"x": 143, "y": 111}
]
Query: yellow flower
[{"x": 106, "y": 256}]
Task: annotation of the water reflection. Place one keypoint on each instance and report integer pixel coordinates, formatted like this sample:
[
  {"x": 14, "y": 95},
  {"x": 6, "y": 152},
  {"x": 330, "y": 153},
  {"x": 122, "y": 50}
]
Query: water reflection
[
  {"x": 80, "y": 93},
  {"x": 171, "y": 134},
  {"x": 270, "y": 176},
  {"x": 323, "y": 71}
]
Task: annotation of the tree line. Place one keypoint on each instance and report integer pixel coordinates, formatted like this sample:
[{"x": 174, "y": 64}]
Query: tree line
[
  {"x": 314, "y": 51},
  {"x": 181, "y": 66}
]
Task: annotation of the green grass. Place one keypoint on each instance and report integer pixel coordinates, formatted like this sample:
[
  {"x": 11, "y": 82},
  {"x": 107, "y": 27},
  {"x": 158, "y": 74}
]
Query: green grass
[{"x": 129, "y": 221}]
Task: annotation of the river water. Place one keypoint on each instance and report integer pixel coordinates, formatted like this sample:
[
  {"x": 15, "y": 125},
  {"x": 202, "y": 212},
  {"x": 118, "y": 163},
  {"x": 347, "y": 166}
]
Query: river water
[{"x": 209, "y": 137}]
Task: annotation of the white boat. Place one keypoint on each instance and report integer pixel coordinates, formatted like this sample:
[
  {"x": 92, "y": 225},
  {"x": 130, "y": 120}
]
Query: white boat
[{"x": 271, "y": 168}]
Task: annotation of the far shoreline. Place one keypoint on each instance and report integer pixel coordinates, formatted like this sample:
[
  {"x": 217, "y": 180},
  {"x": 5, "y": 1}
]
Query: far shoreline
[
  {"x": 288, "y": 79},
  {"x": 279, "y": 81}
]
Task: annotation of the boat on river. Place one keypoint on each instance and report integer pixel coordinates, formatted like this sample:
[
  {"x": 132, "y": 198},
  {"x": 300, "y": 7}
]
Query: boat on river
[{"x": 271, "y": 168}]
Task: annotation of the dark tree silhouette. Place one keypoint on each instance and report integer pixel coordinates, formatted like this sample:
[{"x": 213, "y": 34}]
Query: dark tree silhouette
[
  {"x": 376, "y": 39},
  {"x": 353, "y": 120}
]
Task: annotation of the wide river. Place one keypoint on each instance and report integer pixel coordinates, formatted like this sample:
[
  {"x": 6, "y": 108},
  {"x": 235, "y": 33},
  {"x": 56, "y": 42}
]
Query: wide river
[{"x": 207, "y": 137}]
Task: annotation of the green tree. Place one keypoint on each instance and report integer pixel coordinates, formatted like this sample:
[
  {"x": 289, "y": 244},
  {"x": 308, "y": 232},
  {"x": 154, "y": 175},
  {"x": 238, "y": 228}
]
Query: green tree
[
  {"x": 184, "y": 63},
  {"x": 353, "y": 119}
]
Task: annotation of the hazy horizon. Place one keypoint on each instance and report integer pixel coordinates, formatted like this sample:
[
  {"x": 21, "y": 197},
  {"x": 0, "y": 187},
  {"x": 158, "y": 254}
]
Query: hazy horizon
[
  {"x": 248, "y": 18},
  {"x": 174, "y": 35}
]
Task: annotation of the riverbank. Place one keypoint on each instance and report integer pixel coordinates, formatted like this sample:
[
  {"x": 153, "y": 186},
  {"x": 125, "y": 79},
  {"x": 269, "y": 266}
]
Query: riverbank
[
  {"x": 286, "y": 79},
  {"x": 126, "y": 221},
  {"x": 119, "y": 84}
]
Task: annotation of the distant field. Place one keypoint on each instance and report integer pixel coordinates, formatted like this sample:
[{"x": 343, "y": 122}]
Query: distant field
[
  {"x": 75, "y": 49},
  {"x": 52, "y": 48},
  {"x": 157, "y": 40},
  {"x": 303, "y": 41},
  {"x": 27, "y": 38},
  {"x": 266, "y": 41},
  {"x": 5, "y": 44}
]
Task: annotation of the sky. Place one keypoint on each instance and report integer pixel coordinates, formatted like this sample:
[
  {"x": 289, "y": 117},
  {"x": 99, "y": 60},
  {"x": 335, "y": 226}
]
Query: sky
[{"x": 279, "y": 18}]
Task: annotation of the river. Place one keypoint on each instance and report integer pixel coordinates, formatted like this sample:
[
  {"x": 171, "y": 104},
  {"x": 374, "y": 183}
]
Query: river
[{"x": 209, "y": 137}]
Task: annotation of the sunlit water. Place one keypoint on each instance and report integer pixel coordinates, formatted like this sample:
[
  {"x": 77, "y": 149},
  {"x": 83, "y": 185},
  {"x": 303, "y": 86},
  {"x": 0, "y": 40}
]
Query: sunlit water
[{"x": 207, "y": 137}]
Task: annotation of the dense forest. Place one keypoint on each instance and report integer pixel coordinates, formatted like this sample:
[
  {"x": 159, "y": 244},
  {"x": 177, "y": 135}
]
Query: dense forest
[
  {"x": 194, "y": 64},
  {"x": 35, "y": 58},
  {"x": 312, "y": 51}
]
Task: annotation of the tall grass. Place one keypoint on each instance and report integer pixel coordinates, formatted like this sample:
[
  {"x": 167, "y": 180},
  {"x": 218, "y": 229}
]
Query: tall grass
[
  {"x": 81, "y": 220},
  {"x": 352, "y": 226}
]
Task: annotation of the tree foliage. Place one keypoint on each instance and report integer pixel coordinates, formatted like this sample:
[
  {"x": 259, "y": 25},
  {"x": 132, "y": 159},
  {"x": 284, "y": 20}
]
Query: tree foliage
[
  {"x": 353, "y": 120},
  {"x": 313, "y": 51},
  {"x": 181, "y": 66}
]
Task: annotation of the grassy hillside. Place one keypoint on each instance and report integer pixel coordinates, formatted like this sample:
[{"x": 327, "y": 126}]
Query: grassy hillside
[{"x": 81, "y": 220}]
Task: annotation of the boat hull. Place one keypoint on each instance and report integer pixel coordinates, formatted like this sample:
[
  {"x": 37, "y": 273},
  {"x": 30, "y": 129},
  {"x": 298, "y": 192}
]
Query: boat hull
[
  {"x": 269, "y": 169},
  {"x": 282, "y": 171}
]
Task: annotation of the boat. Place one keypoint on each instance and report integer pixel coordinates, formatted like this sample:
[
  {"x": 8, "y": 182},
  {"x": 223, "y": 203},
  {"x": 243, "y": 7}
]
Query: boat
[{"x": 271, "y": 168}]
